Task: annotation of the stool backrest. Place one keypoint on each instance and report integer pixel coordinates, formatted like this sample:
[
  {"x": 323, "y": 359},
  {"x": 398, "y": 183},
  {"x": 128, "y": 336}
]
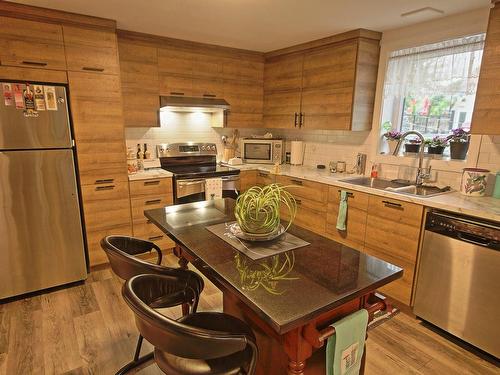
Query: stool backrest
[{"x": 141, "y": 293}]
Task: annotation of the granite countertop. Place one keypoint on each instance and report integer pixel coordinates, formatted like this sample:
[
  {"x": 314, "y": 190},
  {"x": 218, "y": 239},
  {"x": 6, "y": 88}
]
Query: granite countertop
[
  {"x": 303, "y": 284},
  {"x": 151, "y": 173},
  {"x": 481, "y": 207}
]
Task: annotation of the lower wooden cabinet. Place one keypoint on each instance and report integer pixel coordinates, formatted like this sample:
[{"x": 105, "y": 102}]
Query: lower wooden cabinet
[
  {"x": 357, "y": 206},
  {"x": 265, "y": 178},
  {"x": 146, "y": 195},
  {"x": 247, "y": 180},
  {"x": 106, "y": 210},
  {"x": 311, "y": 198},
  {"x": 393, "y": 234}
]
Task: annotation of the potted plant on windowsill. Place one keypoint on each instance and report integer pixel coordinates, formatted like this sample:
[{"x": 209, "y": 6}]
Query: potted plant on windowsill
[
  {"x": 413, "y": 145},
  {"x": 436, "y": 145},
  {"x": 392, "y": 137},
  {"x": 459, "y": 143}
]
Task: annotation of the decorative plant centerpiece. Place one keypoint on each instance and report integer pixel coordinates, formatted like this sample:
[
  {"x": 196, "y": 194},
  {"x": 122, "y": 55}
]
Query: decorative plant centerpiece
[
  {"x": 392, "y": 137},
  {"x": 459, "y": 143},
  {"x": 437, "y": 145},
  {"x": 257, "y": 211},
  {"x": 413, "y": 145}
]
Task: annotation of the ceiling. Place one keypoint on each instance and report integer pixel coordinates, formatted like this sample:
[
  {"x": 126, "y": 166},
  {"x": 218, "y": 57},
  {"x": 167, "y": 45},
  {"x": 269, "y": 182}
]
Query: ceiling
[{"x": 261, "y": 25}]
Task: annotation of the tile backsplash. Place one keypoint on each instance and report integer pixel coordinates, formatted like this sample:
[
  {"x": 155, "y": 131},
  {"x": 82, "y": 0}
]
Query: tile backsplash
[{"x": 321, "y": 146}]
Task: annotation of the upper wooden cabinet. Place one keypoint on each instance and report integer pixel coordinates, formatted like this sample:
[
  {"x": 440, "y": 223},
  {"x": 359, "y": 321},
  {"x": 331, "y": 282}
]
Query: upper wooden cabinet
[
  {"x": 31, "y": 44},
  {"x": 486, "y": 116},
  {"x": 91, "y": 50},
  {"x": 327, "y": 84},
  {"x": 140, "y": 83}
]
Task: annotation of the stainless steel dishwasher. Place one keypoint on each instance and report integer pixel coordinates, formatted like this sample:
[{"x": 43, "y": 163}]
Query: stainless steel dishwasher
[{"x": 458, "y": 285}]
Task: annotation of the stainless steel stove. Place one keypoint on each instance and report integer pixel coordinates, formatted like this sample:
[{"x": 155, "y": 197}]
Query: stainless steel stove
[{"x": 191, "y": 164}]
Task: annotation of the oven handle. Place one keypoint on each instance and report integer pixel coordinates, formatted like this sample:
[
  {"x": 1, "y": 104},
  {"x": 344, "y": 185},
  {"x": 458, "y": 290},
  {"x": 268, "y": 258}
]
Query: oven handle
[{"x": 190, "y": 182}]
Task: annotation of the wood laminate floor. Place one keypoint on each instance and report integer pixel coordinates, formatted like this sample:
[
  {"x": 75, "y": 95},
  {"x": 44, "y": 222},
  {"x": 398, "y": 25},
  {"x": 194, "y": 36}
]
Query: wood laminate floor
[{"x": 88, "y": 329}]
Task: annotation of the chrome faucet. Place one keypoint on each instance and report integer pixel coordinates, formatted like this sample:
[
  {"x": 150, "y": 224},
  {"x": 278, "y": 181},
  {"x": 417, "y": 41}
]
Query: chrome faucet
[{"x": 422, "y": 173}]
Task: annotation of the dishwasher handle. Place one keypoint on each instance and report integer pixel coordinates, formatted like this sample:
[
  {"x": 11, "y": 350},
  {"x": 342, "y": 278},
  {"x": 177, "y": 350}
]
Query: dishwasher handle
[{"x": 473, "y": 239}]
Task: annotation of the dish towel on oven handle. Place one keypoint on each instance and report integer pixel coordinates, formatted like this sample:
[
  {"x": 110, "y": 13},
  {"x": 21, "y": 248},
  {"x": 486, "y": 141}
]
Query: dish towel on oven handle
[
  {"x": 342, "y": 216},
  {"x": 344, "y": 349},
  {"x": 213, "y": 188}
]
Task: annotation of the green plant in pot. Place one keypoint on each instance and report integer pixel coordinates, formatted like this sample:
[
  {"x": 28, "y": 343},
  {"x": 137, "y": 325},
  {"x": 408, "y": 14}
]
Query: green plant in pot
[
  {"x": 436, "y": 145},
  {"x": 459, "y": 143},
  {"x": 257, "y": 210},
  {"x": 412, "y": 145}
]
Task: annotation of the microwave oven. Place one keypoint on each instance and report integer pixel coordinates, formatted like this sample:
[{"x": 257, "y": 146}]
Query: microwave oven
[{"x": 263, "y": 151}]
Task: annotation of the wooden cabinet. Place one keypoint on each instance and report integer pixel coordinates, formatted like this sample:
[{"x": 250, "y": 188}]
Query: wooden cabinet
[
  {"x": 147, "y": 195},
  {"x": 140, "y": 83},
  {"x": 393, "y": 234},
  {"x": 96, "y": 108},
  {"x": 247, "y": 180},
  {"x": 31, "y": 44},
  {"x": 323, "y": 85},
  {"x": 106, "y": 208},
  {"x": 282, "y": 90},
  {"x": 486, "y": 116},
  {"x": 91, "y": 50},
  {"x": 189, "y": 72},
  {"x": 311, "y": 198},
  {"x": 357, "y": 206},
  {"x": 265, "y": 178}
]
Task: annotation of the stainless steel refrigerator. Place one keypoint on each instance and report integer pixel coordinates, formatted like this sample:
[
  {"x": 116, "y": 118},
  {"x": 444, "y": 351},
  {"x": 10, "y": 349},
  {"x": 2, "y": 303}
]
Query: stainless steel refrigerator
[{"x": 41, "y": 236}]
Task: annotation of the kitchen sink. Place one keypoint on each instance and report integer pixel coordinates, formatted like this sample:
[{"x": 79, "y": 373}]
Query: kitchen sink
[{"x": 398, "y": 186}]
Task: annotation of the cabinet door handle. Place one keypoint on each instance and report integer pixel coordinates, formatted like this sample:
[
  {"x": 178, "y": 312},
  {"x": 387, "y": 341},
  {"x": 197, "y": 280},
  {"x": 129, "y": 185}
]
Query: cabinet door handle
[
  {"x": 154, "y": 238},
  {"x": 105, "y": 181},
  {"x": 298, "y": 201},
  {"x": 209, "y": 95},
  {"x": 176, "y": 93},
  {"x": 91, "y": 69},
  {"x": 153, "y": 201},
  {"x": 150, "y": 183},
  {"x": 301, "y": 119},
  {"x": 297, "y": 182},
  {"x": 107, "y": 187},
  {"x": 296, "y": 119},
  {"x": 349, "y": 194},
  {"x": 263, "y": 174},
  {"x": 392, "y": 204},
  {"x": 34, "y": 63}
]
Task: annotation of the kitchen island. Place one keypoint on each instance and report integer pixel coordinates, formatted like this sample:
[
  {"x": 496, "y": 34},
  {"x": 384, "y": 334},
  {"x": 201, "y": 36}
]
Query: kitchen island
[{"x": 289, "y": 299}]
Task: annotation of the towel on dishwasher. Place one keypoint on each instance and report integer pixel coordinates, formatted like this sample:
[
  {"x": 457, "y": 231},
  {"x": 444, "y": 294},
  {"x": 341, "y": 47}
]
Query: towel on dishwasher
[
  {"x": 344, "y": 349},
  {"x": 342, "y": 216},
  {"x": 213, "y": 188}
]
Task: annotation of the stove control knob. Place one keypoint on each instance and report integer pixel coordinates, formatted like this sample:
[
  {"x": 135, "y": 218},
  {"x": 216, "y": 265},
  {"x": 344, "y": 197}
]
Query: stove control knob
[
  {"x": 203, "y": 148},
  {"x": 212, "y": 148}
]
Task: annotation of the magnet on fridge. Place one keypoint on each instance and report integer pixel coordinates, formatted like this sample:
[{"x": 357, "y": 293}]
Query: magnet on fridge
[
  {"x": 8, "y": 96},
  {"x": 29, "y": 102},
  {"x": 39, "y": 98},
  {"x": 18, "y": 96},
  {"x": 50, "y": 98}
]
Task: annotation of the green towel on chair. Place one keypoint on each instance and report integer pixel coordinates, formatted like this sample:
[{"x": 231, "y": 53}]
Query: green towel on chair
[
  {"x": 345, "y": 348},
  {"x": 342, "y": 216}
]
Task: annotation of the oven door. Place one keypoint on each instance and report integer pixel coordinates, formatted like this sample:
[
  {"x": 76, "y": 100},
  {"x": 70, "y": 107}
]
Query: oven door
[
  {"x": 257, "y": 152},
  {"x": 193, "y": 190}
]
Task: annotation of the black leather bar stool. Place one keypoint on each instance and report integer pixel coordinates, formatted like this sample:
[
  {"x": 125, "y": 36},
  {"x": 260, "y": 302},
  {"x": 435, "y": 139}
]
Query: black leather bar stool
[
  {"x": 197, "y": 344},
  {"x": 121, "y": 252}
]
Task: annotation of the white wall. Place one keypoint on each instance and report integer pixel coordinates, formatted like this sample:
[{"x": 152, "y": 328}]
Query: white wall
[{"x": 323, "y": 146}]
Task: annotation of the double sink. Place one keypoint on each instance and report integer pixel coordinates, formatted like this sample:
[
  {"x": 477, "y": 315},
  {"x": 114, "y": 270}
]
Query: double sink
[{"x": 398, "y": 186}]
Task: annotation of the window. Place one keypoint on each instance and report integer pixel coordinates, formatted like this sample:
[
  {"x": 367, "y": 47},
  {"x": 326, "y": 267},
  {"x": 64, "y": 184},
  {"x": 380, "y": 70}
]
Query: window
[{"x": 432, "y": 88}]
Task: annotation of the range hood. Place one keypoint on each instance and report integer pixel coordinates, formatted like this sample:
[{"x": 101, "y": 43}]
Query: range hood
[{"x": 190, "y": 104}]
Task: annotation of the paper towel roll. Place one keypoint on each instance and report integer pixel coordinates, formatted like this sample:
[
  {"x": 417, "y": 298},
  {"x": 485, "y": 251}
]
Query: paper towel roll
[{"x": 296, "y": 153}]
